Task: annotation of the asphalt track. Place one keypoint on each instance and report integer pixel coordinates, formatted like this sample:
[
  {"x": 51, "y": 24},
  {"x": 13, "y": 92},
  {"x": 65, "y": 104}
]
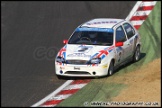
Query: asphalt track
[{"x": 31, "y": 35}]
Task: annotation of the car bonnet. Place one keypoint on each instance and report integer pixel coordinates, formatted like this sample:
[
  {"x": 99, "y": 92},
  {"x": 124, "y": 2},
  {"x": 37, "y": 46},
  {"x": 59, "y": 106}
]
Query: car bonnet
[{"x": 86, "y": 52}]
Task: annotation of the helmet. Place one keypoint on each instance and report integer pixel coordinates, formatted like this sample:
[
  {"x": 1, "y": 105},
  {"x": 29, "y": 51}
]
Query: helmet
[{"x": 92, "y": 34}]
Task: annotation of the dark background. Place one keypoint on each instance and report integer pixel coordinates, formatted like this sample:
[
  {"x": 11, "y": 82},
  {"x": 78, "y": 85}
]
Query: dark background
[{"x": 31, "y": 35}]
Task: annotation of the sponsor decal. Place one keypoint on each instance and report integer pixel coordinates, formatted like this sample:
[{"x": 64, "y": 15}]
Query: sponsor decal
[
  {"x": 103, "y": 53},
  {"x": 79, "y": 55},
  {"x": 104, "y": 66},
  {"x": 62, "y": 52},
  {"x": 80, "y": 51},
  {"x": 101, "y": 22},
  {"x": 96, "y": 29},
  {"x": 83, "y": 48}
]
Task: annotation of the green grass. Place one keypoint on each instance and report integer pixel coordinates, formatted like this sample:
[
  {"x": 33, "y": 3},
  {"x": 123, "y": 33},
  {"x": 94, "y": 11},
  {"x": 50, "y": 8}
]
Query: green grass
[
  {"x": 103, "y": 89},
  {"x": 151, "y": 35}
]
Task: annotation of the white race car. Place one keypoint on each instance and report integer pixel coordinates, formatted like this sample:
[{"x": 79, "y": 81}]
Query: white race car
[{"x": 97, "y": 47}]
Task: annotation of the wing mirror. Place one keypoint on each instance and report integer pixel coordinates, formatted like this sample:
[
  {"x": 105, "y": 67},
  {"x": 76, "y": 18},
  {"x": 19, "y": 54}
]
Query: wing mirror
[
  {"x": 117, "y": 44},
  {"x": 65, "y": 41}
]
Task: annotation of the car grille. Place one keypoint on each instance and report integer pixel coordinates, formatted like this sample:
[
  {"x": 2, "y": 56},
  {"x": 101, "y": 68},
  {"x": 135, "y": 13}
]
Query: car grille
[
  {"x": 77, "y": 72},
  {"x": 79, "y": 62}
]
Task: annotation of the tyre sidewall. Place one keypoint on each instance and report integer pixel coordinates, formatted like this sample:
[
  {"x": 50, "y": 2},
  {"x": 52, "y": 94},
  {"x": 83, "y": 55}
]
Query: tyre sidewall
[
  {"x": 111, "y": 69},
  {"x": 135, "y": 58}
]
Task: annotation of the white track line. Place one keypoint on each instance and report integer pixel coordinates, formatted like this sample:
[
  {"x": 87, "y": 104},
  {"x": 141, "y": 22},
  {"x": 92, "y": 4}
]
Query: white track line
[
  {"x": 60, "y": 97},
  {"x": 133, "y": 10},
  {"x": 138, "y": 22},
  {"x": 74, "y": 86},
  {"x": 48, "y": 105},
  {"x": 52, "y": 94}
]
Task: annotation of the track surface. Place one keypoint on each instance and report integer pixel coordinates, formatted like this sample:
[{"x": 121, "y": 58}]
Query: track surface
[{"x": 32, "y": 34}]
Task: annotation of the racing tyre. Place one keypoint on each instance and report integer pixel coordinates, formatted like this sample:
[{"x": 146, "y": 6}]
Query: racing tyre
[
  {"x": 111, "y": 69},
  {"x": 136, "y": 55}
]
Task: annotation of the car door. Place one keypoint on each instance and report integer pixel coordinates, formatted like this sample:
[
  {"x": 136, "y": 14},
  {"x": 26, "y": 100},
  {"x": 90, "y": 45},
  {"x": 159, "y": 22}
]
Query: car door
[
  {"x": 121, "y": 51},
  {"x": 130, "y": 32}
]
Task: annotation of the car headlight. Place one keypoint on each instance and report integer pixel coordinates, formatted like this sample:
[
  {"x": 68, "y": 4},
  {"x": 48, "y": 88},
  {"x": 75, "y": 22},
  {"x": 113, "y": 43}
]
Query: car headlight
[
  {"x": 95, "y": 61},
  {"x": 60, "y": 59}
]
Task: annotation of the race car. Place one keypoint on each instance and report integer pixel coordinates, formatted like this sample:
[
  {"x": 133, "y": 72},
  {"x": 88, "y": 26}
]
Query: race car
[{"x": 97, "y": 47}]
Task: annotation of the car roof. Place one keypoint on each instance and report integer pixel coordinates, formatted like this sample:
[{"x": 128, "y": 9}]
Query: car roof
[{"x": 102, "y": 23}]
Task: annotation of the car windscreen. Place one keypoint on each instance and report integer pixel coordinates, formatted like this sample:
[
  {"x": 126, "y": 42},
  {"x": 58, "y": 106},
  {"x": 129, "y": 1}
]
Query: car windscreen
[{"x": 92, "y": 38}]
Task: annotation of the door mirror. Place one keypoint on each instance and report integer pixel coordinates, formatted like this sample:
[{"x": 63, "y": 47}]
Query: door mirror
[
  {"x": 119, "y": 44},
  {"x": 65, "y": 41}
]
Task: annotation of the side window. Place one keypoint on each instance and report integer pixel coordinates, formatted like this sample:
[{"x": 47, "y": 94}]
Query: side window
[
  {"x": 129, "y": 30},
  {"x": 120, "y": 35}
]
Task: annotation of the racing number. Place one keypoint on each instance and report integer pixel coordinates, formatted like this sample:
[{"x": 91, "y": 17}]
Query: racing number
[
  {"x": 119, "y": 57},
  {"x": 120, "y": 37}
]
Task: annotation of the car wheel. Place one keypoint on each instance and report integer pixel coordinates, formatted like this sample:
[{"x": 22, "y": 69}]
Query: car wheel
[
  {"x": 136, "y": 56},
  {"x": 111, "y": 69}
]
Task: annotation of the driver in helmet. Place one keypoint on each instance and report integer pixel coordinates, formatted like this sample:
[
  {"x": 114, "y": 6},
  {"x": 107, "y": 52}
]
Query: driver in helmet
[{"x": 93, "y": 37}]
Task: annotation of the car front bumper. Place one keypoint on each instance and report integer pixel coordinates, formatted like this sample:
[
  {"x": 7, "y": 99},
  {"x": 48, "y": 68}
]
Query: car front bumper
[{"x": 81, "y": 70}]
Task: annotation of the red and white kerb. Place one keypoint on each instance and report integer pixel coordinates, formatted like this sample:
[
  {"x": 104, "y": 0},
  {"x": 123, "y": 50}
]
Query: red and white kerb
[
  {"x": 140, "y": 12},
  {"x": 64, "y": 93}
]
